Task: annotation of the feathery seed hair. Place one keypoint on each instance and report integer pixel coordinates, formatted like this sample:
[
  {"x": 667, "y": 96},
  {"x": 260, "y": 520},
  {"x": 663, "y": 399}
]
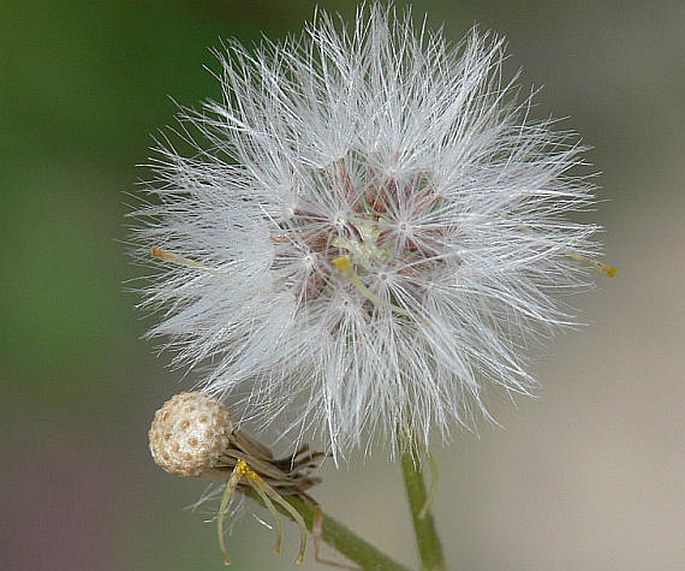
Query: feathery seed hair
[{"x": 370, "y": 231}]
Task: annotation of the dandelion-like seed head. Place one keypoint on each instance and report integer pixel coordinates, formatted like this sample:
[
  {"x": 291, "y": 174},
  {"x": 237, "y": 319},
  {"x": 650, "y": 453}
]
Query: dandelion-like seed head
[{"x": 369, "y": 232}]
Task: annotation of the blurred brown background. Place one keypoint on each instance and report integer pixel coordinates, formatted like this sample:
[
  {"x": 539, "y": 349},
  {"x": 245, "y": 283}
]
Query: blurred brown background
[{"x": 589, "y": 476}]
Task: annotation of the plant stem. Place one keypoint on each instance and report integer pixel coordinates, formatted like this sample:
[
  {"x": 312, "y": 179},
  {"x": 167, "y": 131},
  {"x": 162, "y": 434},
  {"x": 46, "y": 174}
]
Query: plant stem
[
  {"x": 341, "y": 538},
  {"x": 427, "y": 541}
]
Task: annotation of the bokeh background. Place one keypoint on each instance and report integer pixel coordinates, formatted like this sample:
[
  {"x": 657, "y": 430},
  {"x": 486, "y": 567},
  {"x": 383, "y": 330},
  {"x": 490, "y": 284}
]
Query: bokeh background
[{"x": 589, "y": 476}]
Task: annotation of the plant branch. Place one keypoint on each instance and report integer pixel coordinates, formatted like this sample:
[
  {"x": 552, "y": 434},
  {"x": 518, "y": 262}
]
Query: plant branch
[
  {"x": 427, "y": 541},
  {"x": 341, "y": 538}
]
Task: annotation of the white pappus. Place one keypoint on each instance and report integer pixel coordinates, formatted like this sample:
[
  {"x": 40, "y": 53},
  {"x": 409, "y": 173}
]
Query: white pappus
[{"x": 368, "y": 233}]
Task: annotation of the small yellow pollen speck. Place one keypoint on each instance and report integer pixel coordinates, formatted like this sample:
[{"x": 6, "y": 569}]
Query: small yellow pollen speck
[
  {"x": 158, "y": 252},
  {"x": 180, "y": 260},
  {"x": 242, "y": 468},
  {"x": 607, "y": 269},
  {"x": 342, "y": 263}
]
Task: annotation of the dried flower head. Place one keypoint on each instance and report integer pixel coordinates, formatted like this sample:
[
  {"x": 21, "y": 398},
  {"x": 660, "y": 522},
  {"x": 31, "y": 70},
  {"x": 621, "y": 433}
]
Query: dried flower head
[
  {"x": 193, "y": 434},
  {"x": 369, "y": 232},
  {"x": 190, "y": 433}
]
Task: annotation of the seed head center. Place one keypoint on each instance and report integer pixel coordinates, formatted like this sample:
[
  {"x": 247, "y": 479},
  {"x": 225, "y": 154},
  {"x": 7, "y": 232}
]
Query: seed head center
[{"x": 363, "y": 245}]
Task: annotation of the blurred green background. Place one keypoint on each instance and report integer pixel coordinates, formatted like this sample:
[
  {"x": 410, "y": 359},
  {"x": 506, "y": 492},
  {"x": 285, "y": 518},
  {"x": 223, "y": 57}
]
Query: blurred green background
[{"x": 590, "y": 476}]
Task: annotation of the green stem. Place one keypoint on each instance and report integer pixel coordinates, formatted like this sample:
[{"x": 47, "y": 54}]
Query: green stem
[
  {"x": 341, "y": 538},
  {"x": 427, "y": 541}
]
